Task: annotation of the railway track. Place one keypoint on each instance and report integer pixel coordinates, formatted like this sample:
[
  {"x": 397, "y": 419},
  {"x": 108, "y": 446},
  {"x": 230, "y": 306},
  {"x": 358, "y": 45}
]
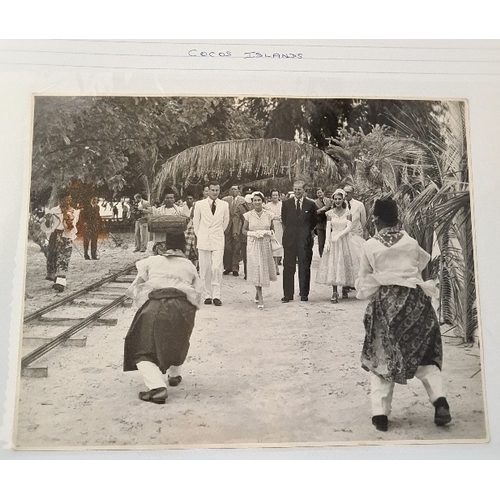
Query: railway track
[{"x": 72, "y": 314}]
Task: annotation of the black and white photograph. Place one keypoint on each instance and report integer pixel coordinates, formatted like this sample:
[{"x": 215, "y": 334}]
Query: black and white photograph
[{"x": 241, "y": 271}]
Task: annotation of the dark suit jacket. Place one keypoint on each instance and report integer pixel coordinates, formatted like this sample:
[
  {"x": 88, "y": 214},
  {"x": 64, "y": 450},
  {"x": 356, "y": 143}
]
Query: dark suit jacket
[
  {"x": 298, "y": 227},
  {"x": 90, "y": 215}
]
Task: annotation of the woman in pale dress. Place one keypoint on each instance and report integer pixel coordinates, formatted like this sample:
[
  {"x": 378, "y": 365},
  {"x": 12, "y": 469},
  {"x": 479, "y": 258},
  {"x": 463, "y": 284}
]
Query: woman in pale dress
[
  {"x": 339, "y": 264},
  {"x": 275, "y": 207},
  {"x": 167, "y": 291},
  {"x": 258, "y": 228}
]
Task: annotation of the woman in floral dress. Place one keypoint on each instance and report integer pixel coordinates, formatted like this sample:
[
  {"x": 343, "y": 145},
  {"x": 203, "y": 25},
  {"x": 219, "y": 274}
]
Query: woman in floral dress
[
  {"x": 339, "y": 264},
  {"x": 258, "y": 227}
]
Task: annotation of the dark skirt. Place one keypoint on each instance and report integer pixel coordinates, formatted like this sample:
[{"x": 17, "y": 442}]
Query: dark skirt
[
  {"x": 402, "y": 333},
  {"x": 160, "y": 330}
]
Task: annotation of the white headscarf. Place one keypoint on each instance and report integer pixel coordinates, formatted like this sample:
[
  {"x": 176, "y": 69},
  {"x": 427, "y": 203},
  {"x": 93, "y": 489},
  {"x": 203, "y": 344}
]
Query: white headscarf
[{"x": 337, "y": 191}]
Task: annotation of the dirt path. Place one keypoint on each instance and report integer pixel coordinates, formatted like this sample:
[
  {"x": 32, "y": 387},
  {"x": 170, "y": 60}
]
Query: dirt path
[{"x": 287, "y": 375}]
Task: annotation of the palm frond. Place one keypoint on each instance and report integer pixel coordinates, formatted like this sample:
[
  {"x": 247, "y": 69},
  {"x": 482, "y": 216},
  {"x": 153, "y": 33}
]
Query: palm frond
[{"x": 253, "y": 158}]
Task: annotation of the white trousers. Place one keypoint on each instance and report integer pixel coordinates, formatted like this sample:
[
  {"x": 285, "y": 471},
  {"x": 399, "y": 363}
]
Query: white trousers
[
  {"x": 211, "y": 272},
  {"x": 382, "y": 390},
  {"x": 152, "y": 375}
]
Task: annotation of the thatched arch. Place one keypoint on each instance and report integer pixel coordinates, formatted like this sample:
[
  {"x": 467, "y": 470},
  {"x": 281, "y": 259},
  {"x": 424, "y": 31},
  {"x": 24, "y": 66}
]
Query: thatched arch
[{"x": 255, "y": 158}]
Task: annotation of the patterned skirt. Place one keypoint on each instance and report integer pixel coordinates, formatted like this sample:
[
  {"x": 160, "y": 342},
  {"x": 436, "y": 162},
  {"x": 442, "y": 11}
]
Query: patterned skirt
[
  {"x": 58, "y": 255},
  {"x": 261, "y": 269},
  {"x": 401, "y": 333}
]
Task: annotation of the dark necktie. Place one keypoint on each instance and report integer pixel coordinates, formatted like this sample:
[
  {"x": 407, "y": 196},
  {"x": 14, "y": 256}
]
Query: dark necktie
[
  {"x": 213, "y": 207},
  {"x": 349, "y": 205},
  {"x": 298, "y": 206}
]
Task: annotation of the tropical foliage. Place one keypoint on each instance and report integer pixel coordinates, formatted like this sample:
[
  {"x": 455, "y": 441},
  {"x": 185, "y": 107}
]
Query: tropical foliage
[
  {"x": 421, "y": 160},
  {"x": 414, "y": 150}
]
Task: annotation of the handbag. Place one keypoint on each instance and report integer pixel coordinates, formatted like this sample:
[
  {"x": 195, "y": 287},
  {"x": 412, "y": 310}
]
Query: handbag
[{"x": 275, "y": 244}]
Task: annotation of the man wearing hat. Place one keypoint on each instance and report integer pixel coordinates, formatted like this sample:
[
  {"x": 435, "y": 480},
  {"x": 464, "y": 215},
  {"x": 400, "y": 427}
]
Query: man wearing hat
[{"x": 358, "y": 212}]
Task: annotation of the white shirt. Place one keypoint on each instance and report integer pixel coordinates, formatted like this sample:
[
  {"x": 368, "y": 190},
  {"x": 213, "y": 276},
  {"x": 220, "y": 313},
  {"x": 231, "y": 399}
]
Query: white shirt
[
  {"x": 165, "y": 211},
  {"x": 57, "y": 222},
  {"x": 401, "y": 264},
  {"x": 185, "y": 210}
]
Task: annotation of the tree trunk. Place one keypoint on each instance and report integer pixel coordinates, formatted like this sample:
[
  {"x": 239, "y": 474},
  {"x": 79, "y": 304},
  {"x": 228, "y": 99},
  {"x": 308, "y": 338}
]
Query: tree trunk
[
  {"x": 469, "y": 283},
  {"x": 446, "y": 294}
]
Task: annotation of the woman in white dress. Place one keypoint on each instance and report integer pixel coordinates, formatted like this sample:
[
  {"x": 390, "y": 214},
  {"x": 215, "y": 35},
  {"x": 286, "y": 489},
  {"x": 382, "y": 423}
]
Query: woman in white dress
[
  {"x": 258, "y": 228},
  {"x": 275, "y": 207},
  {"x": 339, "y": 265}
]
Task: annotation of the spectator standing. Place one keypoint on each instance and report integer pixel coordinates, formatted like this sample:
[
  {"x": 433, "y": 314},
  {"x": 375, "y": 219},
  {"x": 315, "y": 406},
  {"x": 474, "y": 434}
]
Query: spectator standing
[
  {"x": 275, "y": 206},
  {"x": 125, "y": 209},
  {"x": 323, "y": 204},
  {"x": 232, "y": 245},
  {"x": 358, "y": 212},
  {"x": 139, "y": 212},
  {"x": 91, "y": 222}
]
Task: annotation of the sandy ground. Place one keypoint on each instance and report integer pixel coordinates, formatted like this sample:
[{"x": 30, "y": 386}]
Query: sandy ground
[{"x": 287, "y": 375}]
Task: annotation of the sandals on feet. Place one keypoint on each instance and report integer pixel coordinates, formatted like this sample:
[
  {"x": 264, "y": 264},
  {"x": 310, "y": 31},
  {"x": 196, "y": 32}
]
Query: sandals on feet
[
  {"x": 174, "y": 381},
  {"x": 158, "y": 395}
]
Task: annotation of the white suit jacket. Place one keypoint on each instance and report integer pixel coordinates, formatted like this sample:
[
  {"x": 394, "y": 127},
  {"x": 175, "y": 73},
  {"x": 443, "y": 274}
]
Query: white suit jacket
[
  {"x": 209, "y": 229},
  {"x": 357, "y": 211}
]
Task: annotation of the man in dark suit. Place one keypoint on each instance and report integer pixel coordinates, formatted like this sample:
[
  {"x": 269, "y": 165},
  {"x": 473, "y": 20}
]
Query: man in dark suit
[
  {"x": 232, "y": 245},
  {"x": 298, "y": 215},
  {"x": 91, "y": 221}
]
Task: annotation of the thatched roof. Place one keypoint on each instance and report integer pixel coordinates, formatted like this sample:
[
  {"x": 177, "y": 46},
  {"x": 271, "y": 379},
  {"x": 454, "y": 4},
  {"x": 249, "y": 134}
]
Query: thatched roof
[{"x": 252, "y": 159}]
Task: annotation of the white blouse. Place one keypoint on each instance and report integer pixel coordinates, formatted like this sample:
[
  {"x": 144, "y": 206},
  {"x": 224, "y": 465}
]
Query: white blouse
[
  {"x": 159, "y": 271},
  {"x": 401, "y": 264}
]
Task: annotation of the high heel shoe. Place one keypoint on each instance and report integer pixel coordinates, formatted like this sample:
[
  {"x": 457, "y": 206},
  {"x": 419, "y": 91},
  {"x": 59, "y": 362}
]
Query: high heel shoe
[
  {"x": 335, "y": 298},
  {"x": 260, "y": 306}
]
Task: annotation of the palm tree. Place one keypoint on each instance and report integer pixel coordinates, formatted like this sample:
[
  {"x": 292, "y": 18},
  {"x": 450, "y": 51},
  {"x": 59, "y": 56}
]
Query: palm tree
[
  {"x": 422, "y": 163},
  {"x": 443, "y": 206},
  {"x": 245, "y": 160}
]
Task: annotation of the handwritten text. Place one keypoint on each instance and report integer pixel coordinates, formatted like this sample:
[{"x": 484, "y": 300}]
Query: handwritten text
[{"x": 245, "y": 55}]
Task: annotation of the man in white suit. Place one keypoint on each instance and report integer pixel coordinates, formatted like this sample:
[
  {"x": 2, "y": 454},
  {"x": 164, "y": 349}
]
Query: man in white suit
[
  {"x": 210, "y": 220},
  {"x": 358, "y": 212}
]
